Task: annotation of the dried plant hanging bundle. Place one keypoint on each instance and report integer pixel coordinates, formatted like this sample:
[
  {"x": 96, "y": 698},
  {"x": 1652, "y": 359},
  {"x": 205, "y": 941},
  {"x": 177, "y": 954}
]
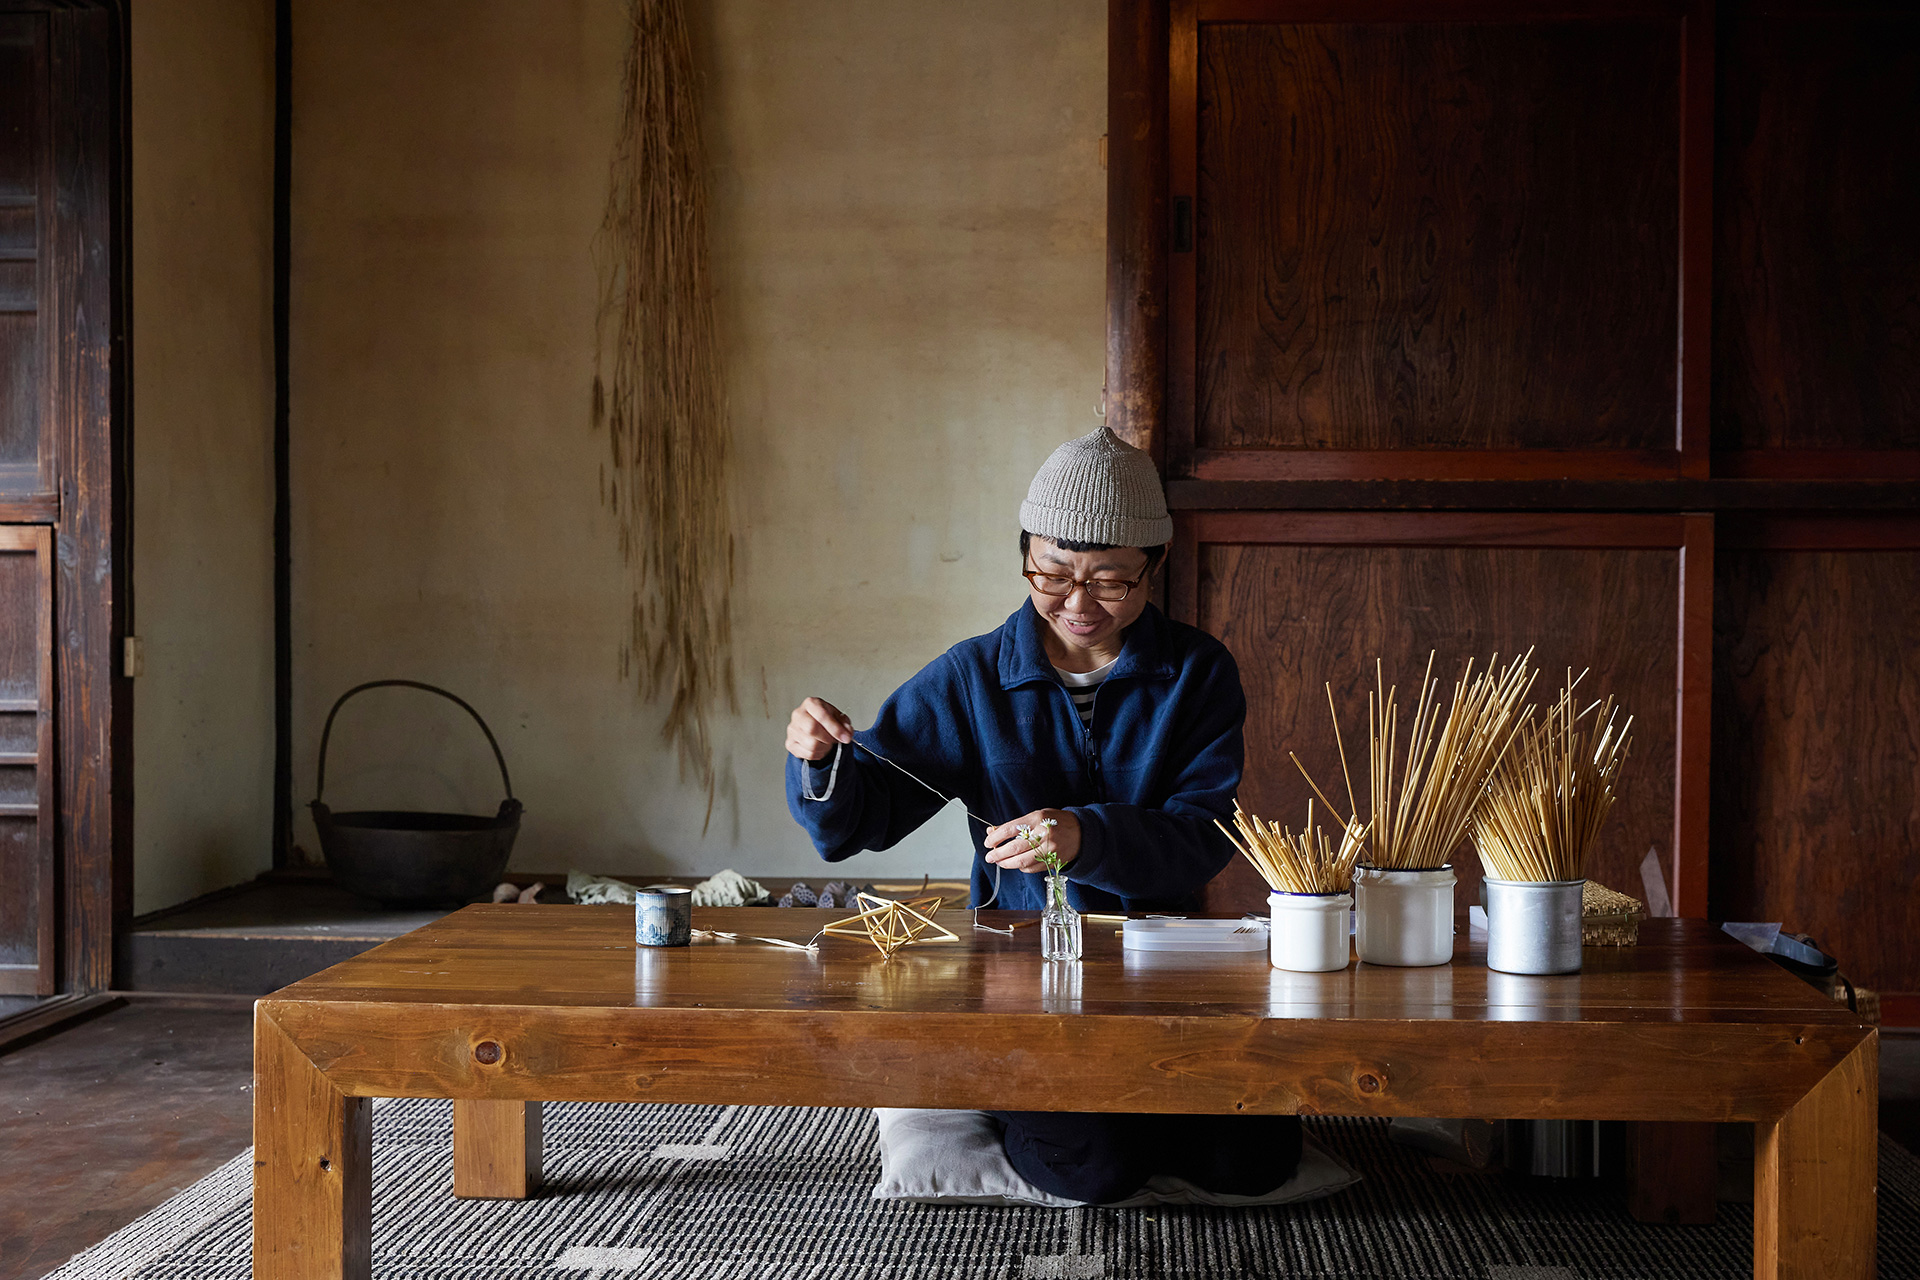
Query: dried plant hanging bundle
[
  {"x": 1306, "y": 862},
  {"x": 657, "y": 390},
  {"x": 1423, "y": 801},
  {"x": 1550, "y": 796}
]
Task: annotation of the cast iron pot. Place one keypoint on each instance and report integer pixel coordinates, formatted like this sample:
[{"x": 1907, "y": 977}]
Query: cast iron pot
[{"x": 415, "y": 858}]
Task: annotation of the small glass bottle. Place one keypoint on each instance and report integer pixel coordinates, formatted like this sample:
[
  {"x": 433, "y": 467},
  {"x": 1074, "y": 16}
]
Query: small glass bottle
[{"x": 1059, "y": 923}]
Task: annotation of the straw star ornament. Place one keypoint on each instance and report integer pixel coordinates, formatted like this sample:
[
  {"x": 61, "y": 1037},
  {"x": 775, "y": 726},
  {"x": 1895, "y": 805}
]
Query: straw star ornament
[{"x": 891, "y": 925}]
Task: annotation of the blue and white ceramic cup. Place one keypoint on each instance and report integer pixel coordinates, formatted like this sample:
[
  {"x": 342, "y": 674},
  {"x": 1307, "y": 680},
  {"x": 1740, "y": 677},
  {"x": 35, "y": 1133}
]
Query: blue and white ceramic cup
[{"x": 663, "y": 917}]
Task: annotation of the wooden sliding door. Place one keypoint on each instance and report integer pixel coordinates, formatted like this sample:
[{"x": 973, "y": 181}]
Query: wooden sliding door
[
  {"x": 63, "y": 707},
  {"x": 28, "y": 347},
  {"x": 28, "y": 943}
]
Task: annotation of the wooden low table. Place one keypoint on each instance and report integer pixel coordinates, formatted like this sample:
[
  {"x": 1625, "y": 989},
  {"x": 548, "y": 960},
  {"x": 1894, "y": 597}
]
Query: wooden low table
[{"x": 503, "y": 1007}]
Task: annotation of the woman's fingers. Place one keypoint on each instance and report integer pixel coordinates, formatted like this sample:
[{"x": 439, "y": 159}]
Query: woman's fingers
[
  {"x": 830, "y": 718},
  {"x": 815, "y": 727},
  {"x": 1012, "y": 849},
  {"x": 1011, "y": 859},
  {"x": 1046, "y": 831},
  {"x": 1011, "y": 830}
]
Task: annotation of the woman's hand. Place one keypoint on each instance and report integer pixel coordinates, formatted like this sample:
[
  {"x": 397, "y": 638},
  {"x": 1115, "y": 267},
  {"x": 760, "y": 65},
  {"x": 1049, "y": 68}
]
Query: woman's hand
[
  {"x": 1006, "y": 847},
  {"x": 817, "y": 725}
]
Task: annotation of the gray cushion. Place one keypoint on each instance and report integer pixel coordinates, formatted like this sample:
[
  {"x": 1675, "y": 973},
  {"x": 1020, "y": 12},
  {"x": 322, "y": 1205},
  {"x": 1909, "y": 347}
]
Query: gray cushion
[{"x": 955, "y": 1157}]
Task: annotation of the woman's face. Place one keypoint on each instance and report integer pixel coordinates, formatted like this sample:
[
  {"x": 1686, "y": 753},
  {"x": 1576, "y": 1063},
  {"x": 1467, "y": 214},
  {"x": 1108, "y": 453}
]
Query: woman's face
[{"x": 1079, "y": 624}]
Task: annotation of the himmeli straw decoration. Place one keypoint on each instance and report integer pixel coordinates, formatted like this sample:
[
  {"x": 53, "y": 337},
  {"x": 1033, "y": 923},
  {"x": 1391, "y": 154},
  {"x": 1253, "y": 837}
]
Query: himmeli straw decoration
[
  {"x": 1551, "y": 794},
  {"x": 1423, "y": 800},
  {"x": 1306, "y": 862}
]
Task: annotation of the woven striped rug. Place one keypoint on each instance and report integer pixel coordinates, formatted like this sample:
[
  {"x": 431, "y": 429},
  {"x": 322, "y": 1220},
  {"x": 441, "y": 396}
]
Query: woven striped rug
[{"x": 642, "y": 1191}]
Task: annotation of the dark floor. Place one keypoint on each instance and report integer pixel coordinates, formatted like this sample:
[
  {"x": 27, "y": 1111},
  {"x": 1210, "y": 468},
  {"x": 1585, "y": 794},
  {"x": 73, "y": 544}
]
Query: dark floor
[{"x": 102, "y": 1121}]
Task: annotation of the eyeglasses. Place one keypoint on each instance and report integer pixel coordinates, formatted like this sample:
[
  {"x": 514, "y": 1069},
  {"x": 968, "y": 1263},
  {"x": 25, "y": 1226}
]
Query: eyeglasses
[{"x": 1105, "y": 590}]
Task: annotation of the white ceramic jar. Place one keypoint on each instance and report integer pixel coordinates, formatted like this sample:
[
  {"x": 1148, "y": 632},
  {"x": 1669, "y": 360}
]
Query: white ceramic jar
[
  {"x": 1405, "y": 917},
  {"x": 1310, "y": 931}
]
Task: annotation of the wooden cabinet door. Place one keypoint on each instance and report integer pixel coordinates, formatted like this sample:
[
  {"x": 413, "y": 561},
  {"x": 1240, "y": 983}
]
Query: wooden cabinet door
[
  {"x": 1416, "y": 241},
  {"x": 26, "y": 761}
]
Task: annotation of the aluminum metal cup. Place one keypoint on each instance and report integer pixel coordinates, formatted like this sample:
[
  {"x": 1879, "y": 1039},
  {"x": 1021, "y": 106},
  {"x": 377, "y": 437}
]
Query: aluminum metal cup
[
  {"x": 663, "y": 917},
  {"x": 1533, "y": 926}
]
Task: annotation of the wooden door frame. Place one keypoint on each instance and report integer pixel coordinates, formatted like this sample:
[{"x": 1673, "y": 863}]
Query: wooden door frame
[{"x": 88, "y": 246}]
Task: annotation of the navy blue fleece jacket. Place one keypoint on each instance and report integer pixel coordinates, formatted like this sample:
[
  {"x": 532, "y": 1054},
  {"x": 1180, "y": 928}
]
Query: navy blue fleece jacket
[{"x": 988, "y": 722}]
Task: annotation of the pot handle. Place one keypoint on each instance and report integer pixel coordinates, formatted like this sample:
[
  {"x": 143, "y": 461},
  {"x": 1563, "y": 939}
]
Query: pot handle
[{"x": 320, "y": 783}]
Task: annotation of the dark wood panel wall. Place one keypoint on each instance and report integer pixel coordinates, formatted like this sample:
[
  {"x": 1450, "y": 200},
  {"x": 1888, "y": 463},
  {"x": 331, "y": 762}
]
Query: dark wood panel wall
[
  {"x": 1591, "y": 326},
  {"x": 1300, "y": 611},
  {"x": 1816, "y": 773},
  {"x": 1816, "y": 264},
  {"x": 1424, "y": 236}
]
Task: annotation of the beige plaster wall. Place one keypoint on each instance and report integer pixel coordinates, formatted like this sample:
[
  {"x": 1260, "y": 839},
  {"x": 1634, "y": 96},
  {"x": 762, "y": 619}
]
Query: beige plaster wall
[
  {"x": 202, "y": 75},
  {"x": 909, "y": 229}
]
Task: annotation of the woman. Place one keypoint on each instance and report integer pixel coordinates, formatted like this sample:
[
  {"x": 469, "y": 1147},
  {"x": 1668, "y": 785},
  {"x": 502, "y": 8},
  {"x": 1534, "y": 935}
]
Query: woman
[{"x": 1092, "y": 710}]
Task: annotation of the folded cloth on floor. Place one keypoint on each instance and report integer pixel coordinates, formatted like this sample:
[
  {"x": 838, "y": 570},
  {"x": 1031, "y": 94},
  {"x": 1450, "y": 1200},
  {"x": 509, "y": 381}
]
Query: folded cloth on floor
[
  {"x": 591, "y": 889},
  {"x": 799, "y": 896},
  {"x": 956, "y": 1157},
  {"x": 729, "y": 889}
]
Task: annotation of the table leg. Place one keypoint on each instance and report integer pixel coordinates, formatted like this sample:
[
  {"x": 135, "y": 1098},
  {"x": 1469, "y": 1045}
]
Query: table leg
[
  {"x": 312, "y": 1168},
  {"x": 1816, "y": 1175},
  {"x": 496, "y": 1149}
]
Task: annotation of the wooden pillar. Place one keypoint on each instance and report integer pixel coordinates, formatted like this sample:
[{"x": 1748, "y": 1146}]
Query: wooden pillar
[
  {"x": 1693, "y": 733},
  {"x": 496, "y": 1149},
  {"x": 1816, "y": 1178},
  {"x": 1137, "y": 227},
  {"x": 312, "y": 1167}
]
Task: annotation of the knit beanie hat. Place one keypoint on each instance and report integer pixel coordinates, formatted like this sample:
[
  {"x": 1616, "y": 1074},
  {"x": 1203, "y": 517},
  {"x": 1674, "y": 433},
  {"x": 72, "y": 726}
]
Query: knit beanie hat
[{"x": 1100, "y": 489}]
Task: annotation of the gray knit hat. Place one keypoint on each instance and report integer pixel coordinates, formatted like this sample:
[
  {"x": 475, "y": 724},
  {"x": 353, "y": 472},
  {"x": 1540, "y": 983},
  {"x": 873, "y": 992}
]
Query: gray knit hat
[{"x": 1098, "y": 488}]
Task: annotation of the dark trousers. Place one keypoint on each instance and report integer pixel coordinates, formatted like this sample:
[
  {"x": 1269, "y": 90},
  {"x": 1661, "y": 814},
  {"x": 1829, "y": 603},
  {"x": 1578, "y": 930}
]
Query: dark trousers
[{"x": 1100, "y": 1157}]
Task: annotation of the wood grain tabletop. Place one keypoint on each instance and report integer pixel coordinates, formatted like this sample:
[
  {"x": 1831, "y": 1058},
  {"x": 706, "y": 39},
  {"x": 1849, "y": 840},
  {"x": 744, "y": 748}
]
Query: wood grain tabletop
[{"x": 517, "y": 956}]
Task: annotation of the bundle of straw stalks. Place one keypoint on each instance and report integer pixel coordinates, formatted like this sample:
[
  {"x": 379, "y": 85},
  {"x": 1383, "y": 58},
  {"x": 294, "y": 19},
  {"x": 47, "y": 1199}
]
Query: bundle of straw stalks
[
  {"x": 1548, "y": 799},
  {"x": 1304, "y": 863},
  {"x": 657, "y": 390},
  {"x": 1423, "y": 801}
]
